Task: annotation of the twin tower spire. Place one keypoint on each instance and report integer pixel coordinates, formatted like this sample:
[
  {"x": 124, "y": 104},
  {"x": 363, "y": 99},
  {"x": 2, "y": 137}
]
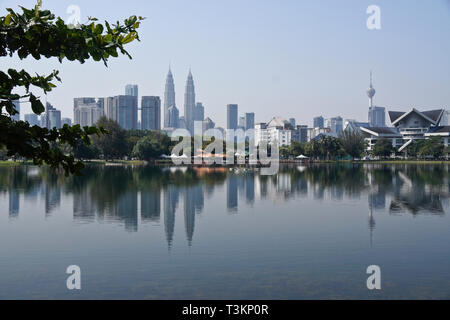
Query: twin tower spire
[{"x": 170, "y": 108}]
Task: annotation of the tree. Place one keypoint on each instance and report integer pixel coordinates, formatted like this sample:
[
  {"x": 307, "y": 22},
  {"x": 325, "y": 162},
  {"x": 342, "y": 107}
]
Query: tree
[
  {"x": 37, "y": 33},
  {"x": 296, "y": 149},
  {"x": 114, "y": 144},
  {"x": 329, "y": 146},
  {"x": 353, "y": 143},
  {"x": 152, "y": 146},
  {"x": 433, "y": 147},
  {"x": 383, "y": 148}
]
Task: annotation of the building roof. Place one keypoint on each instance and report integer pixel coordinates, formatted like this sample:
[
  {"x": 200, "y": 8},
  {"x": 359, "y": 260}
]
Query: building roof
[
  {"x": 277, "y": 122},
  {"x": 439, "y": 131},
  {"x": 382, "y": 131},
  {"x": 434, "y": 116}
]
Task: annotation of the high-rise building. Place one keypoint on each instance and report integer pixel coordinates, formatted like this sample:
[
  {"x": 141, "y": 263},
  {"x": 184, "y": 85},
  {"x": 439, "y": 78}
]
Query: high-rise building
[
  {"x": 123, "y": 110},
  {"x": 76, "y": 103},
  {"x": 336, "y": 125},
  {"x": 232, "y": 116},
  {"x": 88, "y": 114},
  {"x": 300, "y": 134},
  {"x": 189, "y": 103},
  {"x": 182, "y": 123},
  {"x": 150, "y": 113},
  {"x": 16, "y": 104},
  {"x": 53, "y": 117},
  {"x": 67, "y": 121},
  {"x": 132, "y": 90},
  {"x": 199, "y": 112},
  {"x": 319, "y": 122},
  {"x": 173, "y": 118},
  {"x": 43, "y": 121},
  {"x": 292, "y": 122},
  {"x": 249, "y": 121},
  {"x": 241, "y": 123},
  {"x": 377, "y": 117},
  {"x": 169, "y": 98},
  {"x": 32, "y": 119}
]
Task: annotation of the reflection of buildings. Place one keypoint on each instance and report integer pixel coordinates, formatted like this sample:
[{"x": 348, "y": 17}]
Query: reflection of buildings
[
  {"x": 13, "y": 203},
  {"x": 250, "y": 188},
  {"x": 52, "y": 198},
  {"x": 193, "y": 203},
  {"x": 151, "y": 205},
  {"x": 171, "y": 197},
  {"x": 232, "y": 193},
  {"x": 377, "y": 201},
  {"x": 126, "y": 210},
  {"x": 415, "y": 197},
  {"x": 83, "y": 205}
]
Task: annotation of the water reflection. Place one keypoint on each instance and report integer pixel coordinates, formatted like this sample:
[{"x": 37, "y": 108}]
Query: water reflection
[{"x": 132, "y": 196}]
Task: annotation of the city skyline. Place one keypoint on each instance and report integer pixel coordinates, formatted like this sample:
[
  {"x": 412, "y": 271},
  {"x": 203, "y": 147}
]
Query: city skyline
[{"x": 279, "y": 75}]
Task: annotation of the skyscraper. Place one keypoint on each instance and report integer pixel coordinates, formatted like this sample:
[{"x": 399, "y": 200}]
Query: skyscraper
[
  {"x": 232, "y": 116},
  {"x": 151, "y": 113},
  {"x": 189, "y": 103},
  {"x": 249, "y": 121},
  {"x": 16, "y": 104},
  {"x": 169, "y": 98},
  {"x": 377, "y": 117},
  {"x": 292, "y": 122},
  {"x": 124, "y": 110},
  {"x": 32, "y": 119},
  {"x": 52, "y": 117},
  {"x": 241, "y": 123},
  {"x": 319, "y": 122},
  {"x": 173, "y": 116},
  {"x": 199, "y": 112},
  {"x": 76, "y": 103},
  {"x": 87, "y": 114},
  {"x": 132, "y": 90}
]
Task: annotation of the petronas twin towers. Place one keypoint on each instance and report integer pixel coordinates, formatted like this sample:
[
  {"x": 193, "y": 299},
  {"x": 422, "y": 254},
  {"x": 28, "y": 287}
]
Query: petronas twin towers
[{"x": 171, "y": 113}]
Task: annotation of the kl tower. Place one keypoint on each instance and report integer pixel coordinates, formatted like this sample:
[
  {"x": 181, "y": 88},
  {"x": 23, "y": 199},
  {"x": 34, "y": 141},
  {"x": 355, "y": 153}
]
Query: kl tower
[{"x": 371, "y": 92}]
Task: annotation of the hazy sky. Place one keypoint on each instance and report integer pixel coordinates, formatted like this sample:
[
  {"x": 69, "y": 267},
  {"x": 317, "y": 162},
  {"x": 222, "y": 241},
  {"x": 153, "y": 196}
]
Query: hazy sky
[{"x": 275, "y": 58}]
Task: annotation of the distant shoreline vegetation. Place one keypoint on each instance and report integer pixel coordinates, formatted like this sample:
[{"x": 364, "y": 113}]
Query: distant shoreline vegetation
[{"x": 137, "y": 146}]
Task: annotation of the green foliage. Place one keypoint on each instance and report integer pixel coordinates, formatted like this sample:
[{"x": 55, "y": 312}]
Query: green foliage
[
  {"x": 433, "y": 148},
  {"x": 39, "y": 34},
  {"x": 352, "y": 143},
  {"x": 383, "y": 148},
  {"x": 114, "y": 145},
  {"x": 152, "y": 146}
]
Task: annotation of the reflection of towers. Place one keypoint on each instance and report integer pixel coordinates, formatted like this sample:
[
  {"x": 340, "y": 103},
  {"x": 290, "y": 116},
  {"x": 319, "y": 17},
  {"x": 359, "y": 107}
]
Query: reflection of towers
[
  {"x": 377, "y": 201},
  {"x": 250, "y": 188},
  {"x": 171, "y": 196},
  {"x": 232, "y": 193},
  {"x": 14, "y": 205},
  {"x": 83, "y": 205},
  {"x": 151, "y": 205},
  {"x": 193, "y": 202},
  {"x": 52, "y": 198},
  {"x": 126, "y": 210}
]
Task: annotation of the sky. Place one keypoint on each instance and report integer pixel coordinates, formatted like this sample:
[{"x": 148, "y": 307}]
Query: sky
[{"x": 287, "y": 58}]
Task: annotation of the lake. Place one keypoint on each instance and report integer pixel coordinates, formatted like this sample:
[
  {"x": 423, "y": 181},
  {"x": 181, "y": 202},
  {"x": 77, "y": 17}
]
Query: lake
[{"x": 143, "y": 232}]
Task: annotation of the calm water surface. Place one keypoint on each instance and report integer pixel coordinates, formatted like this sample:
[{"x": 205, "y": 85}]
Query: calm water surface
[{"x": 178, "y": 233}]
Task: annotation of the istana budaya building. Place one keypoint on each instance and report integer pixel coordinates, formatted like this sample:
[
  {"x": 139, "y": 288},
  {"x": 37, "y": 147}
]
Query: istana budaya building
[{"x": 408, "y": 127}]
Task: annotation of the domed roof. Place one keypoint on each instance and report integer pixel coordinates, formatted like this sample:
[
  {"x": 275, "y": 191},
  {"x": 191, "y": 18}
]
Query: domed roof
[{"x": 371, "y": 92}]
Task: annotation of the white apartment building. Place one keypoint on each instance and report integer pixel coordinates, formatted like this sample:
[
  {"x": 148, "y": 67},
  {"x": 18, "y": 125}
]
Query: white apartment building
[{"x": 276, "y": 131}]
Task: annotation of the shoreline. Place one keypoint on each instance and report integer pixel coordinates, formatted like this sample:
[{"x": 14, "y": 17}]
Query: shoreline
[{"x": 298, "y": 162}]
